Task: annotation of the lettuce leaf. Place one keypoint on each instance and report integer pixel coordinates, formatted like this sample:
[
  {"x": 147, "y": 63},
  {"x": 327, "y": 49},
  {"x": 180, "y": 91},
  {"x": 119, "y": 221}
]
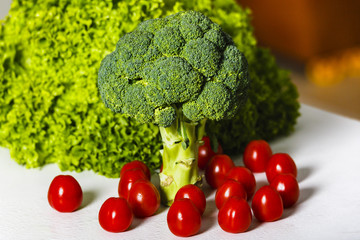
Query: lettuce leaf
[{"x": 50, "y": 110}]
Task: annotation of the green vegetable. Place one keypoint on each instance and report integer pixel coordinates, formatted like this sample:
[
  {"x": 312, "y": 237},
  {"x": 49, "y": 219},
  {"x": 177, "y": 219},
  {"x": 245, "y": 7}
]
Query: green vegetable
[
  {"x": 270, "y": 111},
  {"x": 50, "y": 108},
  {"x": 176, "y": 72}
]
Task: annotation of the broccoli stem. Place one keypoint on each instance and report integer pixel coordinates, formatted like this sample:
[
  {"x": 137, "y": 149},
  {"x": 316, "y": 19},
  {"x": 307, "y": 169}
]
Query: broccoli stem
[{"x": 180, "y": 156}]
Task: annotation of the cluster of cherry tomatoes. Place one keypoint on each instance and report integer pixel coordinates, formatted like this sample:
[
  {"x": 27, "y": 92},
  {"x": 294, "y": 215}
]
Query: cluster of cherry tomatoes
[
  {"x": 137, "y": 197},
  {"x": 184, "y": 215},
  {"x": 235, "y": 188}
]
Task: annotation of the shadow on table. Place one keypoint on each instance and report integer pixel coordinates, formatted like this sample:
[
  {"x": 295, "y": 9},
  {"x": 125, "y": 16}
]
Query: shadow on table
[
  {"x": 209, "y": 218},
  {"x": 305, "y": 194},
  {"x": 303, "y": 173},
  {"x": 88, "y": 198}
]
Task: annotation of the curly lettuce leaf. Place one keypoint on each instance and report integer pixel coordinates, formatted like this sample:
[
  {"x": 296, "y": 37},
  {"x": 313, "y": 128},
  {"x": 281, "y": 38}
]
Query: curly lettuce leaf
[{"x": 50, "y": 110}]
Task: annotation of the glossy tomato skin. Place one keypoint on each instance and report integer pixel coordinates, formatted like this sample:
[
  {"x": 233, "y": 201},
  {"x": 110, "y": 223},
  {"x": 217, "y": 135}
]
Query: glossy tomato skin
[
  {"x": 205, "y": 152},
  {"x": 288, "y": 188},
  {"x": 136, "y": 164},
  {"x": 183, "y": 218},
  {"x": 231, "y": 188},
  {"x": 267, "y": 205},
  {"x": 256, "y": 155},
  {"x": 235, "y": 215},
  {"x": 65, "y": 193},
  {"x": 115, "y": 215},
  {"x": 128, "y": 179},
  {"x": 144, "y": 198},
  {"x": 217, "y": 169},
  {"x": 195, "y": 194},
  {"x": 245, "y": 177},
  {"x": 280, "y": 163}
]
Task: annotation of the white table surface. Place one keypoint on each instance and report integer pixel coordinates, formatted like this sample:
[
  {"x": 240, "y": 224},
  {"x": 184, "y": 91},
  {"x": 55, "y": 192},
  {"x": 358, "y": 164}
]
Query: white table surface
[{"x": 325, "y": 147}]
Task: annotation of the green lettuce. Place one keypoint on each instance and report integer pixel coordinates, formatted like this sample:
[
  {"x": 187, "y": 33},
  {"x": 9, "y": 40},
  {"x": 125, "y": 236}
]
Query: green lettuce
[{"x": 50, "y": 110}]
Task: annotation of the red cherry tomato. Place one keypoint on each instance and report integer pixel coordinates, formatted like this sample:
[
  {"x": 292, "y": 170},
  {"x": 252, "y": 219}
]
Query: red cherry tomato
[
  {"x": 267, "y": 205},
  {"x": 235, "y": 216},
  {"x": 115, "y": 215},
  {"x": 229, "y": 189},
  {"x": 136, "y": 164},
  {"x": 280, "y": 163},
  {"x": 256, "y": 155},
  {"x": 144, "y": 198},
  {"x": 245, "y": 177},
  {"x": 128, "y": 179},
  {"x": 195, "y": 194},
  {"x": 206, "y": 152},
  {"x": 216, "y": 170},
  {"x": 287, "y": 187},
  {"x": 183, "y": 218},
  {"x": 65, "y": 193}
]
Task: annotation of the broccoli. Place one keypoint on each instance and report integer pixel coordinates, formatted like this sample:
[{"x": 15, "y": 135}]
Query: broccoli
[{"x": 176, "y": 72}]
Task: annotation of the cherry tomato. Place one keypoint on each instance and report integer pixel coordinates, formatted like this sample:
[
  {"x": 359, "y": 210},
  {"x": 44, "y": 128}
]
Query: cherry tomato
[
  {"x": 235, "y": 215},
  {"x": 267, "y": 205},
  {"x": 65, "y": 193},
  {"x": 229, "y": 189},
  {"x": 287, "y": 187},
  {"x": 280, "y": 163},
  {"x": 144, "y": 198},
  {"x": 136, "y": 164},
  {"x": 128, "y": 179},
  {"x": 245, "y": 177},
  {"x": 183, "y": 218},
  {"x": 256, "y": 155},
  {"x": 195, "y": 194},
  {"x": 216, "y": 170},
  {"x": 115, "y": 215},
  {"x": 206, "y": 152}
]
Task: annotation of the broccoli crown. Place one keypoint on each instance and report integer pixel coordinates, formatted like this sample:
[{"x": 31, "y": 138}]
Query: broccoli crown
[{"x": 181, "y": 61}]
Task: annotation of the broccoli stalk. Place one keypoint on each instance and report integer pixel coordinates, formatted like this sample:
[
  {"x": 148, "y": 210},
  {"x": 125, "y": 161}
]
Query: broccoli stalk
[
  {"x": 180, "y": 155},
  {"x": 175, "y": 72}
]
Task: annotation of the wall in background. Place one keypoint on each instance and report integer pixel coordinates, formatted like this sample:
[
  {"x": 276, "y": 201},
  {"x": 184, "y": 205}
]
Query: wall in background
[{"x": 4, "y": 8}]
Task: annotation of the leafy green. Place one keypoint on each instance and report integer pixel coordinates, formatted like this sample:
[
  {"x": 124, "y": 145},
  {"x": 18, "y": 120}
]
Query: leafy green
[
  {"x": 50, "y": 108},
  {"x": 270, "y": 111}
]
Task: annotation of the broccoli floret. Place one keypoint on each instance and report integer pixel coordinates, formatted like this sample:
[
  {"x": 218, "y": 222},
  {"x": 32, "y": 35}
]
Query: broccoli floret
[
  {"x": 165, "y": 117},
  {"x": 171, "y": 80},
  {"x": 176, "y": 72}
]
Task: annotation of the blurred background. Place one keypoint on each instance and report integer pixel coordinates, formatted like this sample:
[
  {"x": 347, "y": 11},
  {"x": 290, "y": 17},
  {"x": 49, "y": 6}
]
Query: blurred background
[{"x": 318, "y": 41}]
